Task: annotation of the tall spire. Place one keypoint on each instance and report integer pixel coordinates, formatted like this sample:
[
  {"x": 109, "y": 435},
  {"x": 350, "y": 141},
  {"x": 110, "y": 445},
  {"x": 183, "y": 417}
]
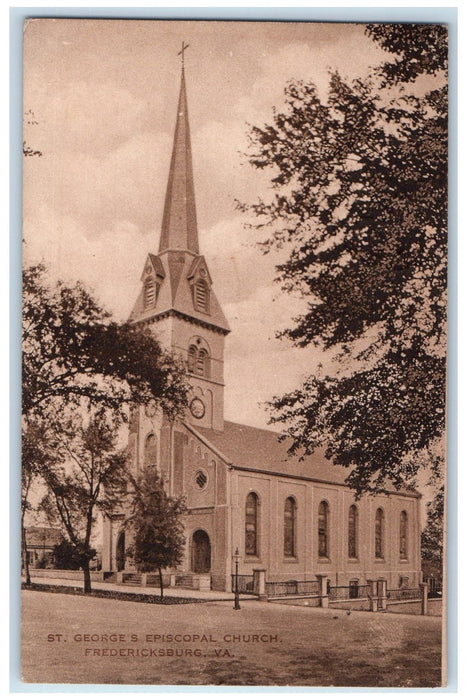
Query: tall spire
[{"x": 179, "y": 227}]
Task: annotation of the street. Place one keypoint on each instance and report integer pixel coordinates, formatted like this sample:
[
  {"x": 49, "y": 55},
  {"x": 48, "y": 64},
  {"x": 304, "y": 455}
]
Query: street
[{"x": 78, "y": 639}]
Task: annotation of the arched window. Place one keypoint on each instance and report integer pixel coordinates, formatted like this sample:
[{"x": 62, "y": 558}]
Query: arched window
[
  {"x": 201, "y": 296},
  {"x": 289, "y": 527},
  {"x": 323, "y": 529},
  {"x": 192, "y": 357},
  {"x": 198, "y": 361},
  {"x": 150, "y": 451},
  {"x": 379, "y": 534},
  {"x": 353, "y": 532},
  {"x": 149, "y": 293},
  {"x": 403, "y": 535},
  {"x": 202, "y": 365},
  {"x": 251, "y": 525}
]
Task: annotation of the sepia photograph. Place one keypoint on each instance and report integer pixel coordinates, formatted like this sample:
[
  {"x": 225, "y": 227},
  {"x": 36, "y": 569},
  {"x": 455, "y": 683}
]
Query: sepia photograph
[{"x": 234, "y": 341}]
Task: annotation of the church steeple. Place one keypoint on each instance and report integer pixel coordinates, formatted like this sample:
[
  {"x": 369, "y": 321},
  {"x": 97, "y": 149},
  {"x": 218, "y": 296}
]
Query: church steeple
[
  {"x": 179, "y": 226},
  {"x": 177, "y": 299}
]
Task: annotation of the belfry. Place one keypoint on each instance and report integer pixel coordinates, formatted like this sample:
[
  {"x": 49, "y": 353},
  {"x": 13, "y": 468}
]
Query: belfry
[
  {"x": 291, "y": 519},
  {"x": 177, "y": 298}
]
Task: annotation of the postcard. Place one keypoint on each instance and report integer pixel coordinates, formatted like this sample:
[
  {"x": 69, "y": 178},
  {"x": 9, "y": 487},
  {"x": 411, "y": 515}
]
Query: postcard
[{"x": 234, "y": 353}]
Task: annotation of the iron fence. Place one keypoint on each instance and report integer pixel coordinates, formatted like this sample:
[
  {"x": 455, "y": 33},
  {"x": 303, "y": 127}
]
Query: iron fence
[
  {"x": 435, "y": 587},
  {"x": 398, "y": 594},
  {"x": 245, "y": 583},
  {"x": 350, "y": 592},
  {"x": 285, "y": 588}
]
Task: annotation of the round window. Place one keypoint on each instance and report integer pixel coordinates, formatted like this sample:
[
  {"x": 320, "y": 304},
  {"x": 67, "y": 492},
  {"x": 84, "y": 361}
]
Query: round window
[{"x": 201, "y": 479}]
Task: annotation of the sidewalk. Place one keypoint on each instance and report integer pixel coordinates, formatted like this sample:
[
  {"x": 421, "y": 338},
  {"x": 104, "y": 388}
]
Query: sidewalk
[{"x": 143, "y": 590}]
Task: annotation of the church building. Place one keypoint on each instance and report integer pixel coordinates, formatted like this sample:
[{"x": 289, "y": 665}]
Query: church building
[{"x": 294, "y": 519}]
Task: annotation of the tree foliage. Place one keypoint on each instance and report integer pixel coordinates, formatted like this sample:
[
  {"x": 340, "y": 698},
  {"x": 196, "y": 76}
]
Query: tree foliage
[
  {"x": 72, "y": 349},
  {"x": 65, "y": 556},
  {"x": 360, "y": 202},
  {"x": 433, "y": 537},
  {"x": 155, "y": 523},
  {"x": 85, "y": 473},
  {"x": 32, "y": 458}
]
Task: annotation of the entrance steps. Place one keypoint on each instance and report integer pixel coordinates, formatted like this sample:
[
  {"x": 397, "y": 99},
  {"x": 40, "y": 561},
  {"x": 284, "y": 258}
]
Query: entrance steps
[
  {"x": 110, "y": 576},
  {"x": 184, "y": 580},
  {"x": 194, "y": 582},
  {"x": 131, "y": 579}
]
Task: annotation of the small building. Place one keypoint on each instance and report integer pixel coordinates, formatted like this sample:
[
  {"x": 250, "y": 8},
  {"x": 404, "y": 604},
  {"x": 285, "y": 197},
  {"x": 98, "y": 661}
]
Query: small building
[
  {"x": 40, "y": 543},
  {"x": 295, "y": 519}
]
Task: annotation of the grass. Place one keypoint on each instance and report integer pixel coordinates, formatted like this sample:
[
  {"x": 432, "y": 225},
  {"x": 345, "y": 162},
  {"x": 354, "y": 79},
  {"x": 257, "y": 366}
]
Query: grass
[
  {"x": 310, "y": 647},
  {"x": 114, "y": 595}
]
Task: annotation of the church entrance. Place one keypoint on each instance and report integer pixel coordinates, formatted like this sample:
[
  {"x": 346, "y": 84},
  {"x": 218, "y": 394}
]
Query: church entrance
[
  {"x": 121, "y": 551},
  {"x": 201, "y": 553}
]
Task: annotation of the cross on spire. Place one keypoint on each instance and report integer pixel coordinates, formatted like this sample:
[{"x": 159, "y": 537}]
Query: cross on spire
[{"x": 182, "y": 52}]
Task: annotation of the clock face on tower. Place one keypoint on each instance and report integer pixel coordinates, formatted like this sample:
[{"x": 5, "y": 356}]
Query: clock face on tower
[{"x": 197, "y": 408}]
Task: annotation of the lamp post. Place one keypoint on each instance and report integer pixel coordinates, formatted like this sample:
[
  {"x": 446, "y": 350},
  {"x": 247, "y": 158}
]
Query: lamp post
[{"x": 237, "y": 599}]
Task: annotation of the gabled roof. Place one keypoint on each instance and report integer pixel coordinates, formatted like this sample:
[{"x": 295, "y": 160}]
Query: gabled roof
[
  {"x": 195, "y": 265},
  {"x": 175, "y": 293},
  {"x": 156, "y": 264},
  {"x": 257, "y": 449},
  {"x": 43, "y": 536}
]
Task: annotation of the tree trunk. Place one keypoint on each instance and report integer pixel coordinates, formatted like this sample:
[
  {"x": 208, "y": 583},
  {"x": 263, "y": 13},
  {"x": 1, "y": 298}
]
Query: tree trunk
[
  {"x": 25, "y": 555},
  {"x": 87, "y": 577},
  {"x": 161, "y": 582}
]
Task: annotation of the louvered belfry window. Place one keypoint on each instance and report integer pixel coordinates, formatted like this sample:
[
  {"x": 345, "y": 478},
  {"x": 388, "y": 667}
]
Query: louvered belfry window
[
  {"x": 201, "y": 296},
  {"x": 192, "y": 357},
  {"x": 149, "y": 293},
  {"x": 198, "y": 361},
  {"x": 202, "y": 363}
]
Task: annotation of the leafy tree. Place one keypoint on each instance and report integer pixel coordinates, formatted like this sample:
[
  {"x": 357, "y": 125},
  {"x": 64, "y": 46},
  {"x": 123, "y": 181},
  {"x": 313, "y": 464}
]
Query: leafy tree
[
  {"x": 84, "y": 473},
  {"x": 72, "y": 349},
  {"x": 360, "y": 203},
  {"x": 32, "y": 457},
  {"x": 155, "y": 523},
  {"x": 433, "y": 536},
  {"x": 65, "y": 556}
]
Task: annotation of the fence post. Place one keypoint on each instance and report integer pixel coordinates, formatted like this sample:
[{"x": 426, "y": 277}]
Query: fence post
[
  {"x": 323, "y": 590},
  {"x": 259, "y": 583},
  {"x": 119, "y": 576},
  {"x": 373, "y": 583},
  {"x": 144, "y": 579},
  {"x": 424, "y": 590},
  {"x": 172, "y": 580},
  {"x": 383, "y": 593}
]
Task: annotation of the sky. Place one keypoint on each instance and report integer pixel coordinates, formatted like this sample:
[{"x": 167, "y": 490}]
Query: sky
[{"x": 104, "y": 96}]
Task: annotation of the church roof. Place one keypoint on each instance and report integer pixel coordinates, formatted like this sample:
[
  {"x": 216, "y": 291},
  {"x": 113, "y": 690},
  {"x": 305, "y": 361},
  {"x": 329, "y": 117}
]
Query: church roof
[{"x": 257, "y": 449}]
